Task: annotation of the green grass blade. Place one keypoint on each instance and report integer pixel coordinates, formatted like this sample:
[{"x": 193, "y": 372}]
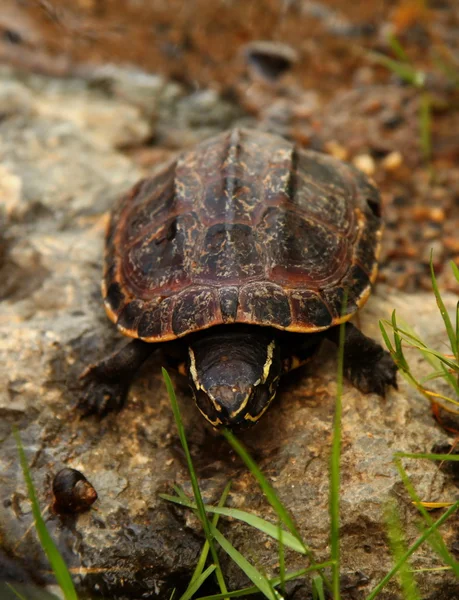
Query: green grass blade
[
  {"x": 432, "y": 376},
  {"x": 266, "y": 487},
  {"x": 397, "y": 339},
  {"x": 449, "y": 378},
  {"x": 249, "y": 591},
  {"x": 15, "y": 592},
  {"x": 56, "y": 561},
  {"x": 444, "y": 313},
  {"x": 435, "y": 540},
  {"x": 257, "y": 578},
  {"x": 398, "y": 549},
  {"x": 280, "y": 534},
  {"x": 194, "y": 480},
  {"x": 385, "y": 580},
  {"x": 386, "y": 337},
  {"x": 270, "y": 494},
  {"x": 403, "y": 70},
  {"x": 397, "y": 48},
  {"x": 205, "y": 549},
  {"x": 435, "y": 358},
  {"x": 335, "y": 467},
  {"x": 196, "y": 584},
  {"x": 253, "y": 520},
  {"x": 453, "y": 457},
  {"x": 455, "y": 269},
  {"x": 318, "y": 592},
  {"x": 457, "y": 325}
]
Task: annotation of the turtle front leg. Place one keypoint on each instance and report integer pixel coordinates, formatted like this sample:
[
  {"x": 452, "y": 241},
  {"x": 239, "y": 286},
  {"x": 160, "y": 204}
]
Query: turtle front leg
[
  {"x": 106, "y": 383},
  {"x": 369, "y": 367}
]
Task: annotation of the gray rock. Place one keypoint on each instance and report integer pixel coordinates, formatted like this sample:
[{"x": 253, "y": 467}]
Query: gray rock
[{"x": 61, "y": 169}]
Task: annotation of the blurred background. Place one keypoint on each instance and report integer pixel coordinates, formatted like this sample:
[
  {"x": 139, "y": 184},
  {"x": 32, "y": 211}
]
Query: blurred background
[{"x": 373, "y": 82}]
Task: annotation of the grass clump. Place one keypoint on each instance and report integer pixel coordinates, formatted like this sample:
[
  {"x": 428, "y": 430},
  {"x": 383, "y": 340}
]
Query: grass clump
[
  {"x": 445, "y": 366},
  {"x": 407, "y": 71}
]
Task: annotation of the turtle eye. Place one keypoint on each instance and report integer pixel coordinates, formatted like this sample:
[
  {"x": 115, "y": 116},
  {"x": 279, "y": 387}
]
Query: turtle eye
[
  {"x": 258, "y": 401},
  {"x": 206, "y": 407}
]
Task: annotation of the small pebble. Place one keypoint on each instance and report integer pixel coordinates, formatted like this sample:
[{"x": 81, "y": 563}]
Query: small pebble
[
  {"x": 437, "y": 215},
  {"x": 336, "y": 150},
  {"x": 365, "y": 163},
  {"x": 270, "y": 59},
  {"x": 425, "y": 213},
  {"x": 392, "y": 161}
]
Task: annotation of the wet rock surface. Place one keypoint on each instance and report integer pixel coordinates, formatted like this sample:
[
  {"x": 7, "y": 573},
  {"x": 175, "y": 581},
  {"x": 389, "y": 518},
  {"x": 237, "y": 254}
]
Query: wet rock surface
[{"x": 67, "y": 151}]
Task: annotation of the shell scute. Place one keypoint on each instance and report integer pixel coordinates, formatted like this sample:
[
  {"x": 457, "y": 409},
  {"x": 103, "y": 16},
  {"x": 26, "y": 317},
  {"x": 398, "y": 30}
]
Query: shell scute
[
  {"x": 302, "y": 252},
  {"x": 229, "y": 254},
  {"x": 264, "y": 303},
  {"x": 155, "y": 323},
  {"x": 195, "y": 309},
  {"x": 229, "y": 299},
  {"x": 159, "y": 260},
  {"x": 312, "y": 313}
]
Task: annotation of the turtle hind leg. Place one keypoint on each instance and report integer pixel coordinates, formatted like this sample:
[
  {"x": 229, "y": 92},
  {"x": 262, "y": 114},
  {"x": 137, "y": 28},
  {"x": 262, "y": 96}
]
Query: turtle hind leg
[
  {"x": 105, "y": 384},
  {"x": 369, "y": 367}
]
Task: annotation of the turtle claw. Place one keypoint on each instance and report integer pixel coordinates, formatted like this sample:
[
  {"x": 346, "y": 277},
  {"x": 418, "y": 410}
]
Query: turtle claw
[
  {"x": 100, "y": 397},
  {"x": 373, "y": 376}
]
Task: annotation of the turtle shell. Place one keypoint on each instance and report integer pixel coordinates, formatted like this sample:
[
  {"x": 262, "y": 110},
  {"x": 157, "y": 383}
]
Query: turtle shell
[{"x": 244, "y": 228}]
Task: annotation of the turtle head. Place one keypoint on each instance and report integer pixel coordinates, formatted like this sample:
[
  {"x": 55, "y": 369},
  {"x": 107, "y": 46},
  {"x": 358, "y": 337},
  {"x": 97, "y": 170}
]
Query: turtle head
[{"x": 233, "y": 376}]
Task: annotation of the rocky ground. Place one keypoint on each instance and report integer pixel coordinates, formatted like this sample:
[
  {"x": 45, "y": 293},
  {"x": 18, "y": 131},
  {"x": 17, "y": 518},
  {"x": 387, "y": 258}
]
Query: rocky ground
[{"x": 68, "y": 147}]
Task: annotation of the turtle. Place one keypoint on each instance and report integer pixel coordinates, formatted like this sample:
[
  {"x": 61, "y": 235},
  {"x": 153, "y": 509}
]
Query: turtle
[{"x": 238, "y": 258}]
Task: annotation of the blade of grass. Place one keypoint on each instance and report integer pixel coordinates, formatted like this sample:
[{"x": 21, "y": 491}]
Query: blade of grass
[
  {"x": 419, "y": 345},
  {"x": 453, "y": 457},
  {"x": 435, "y": 358},
  {"x": 15, "y": 592},
  {"x": 397, "y": 48},
  {"x": 280, "y": 534},
  {"x": 455, "y": 269},
  {"x": 398, "y": 549},
  {"x": 318, "y": 589},
  {"x": 196, "y": 584},
  {"x": 255, "y": 576},
  {"x": 433, "y": 505},
  {"x": 403, "y": 70},
  {"x": 386, "y": 337},
  {"x": 205, "y": 549},
  {"x": 58, "y": 565},
  {"x": 274, "y": 581},
  {"x": 435, "y": 540},
  {"x": 449, "y": 378},
  {"x": 385, "y": 580},
  {"x": 194, "y": 480},
  {"x": 397, "y": 339},
  {"x": 335, "y": 465},
  {"x": 270, "y": 494},
  {"x": 241, "y": 515},
  {"x": 429, "y": 570},
  {"x": 444, "y": 313},
  {"x": 266, "y": 487}
]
